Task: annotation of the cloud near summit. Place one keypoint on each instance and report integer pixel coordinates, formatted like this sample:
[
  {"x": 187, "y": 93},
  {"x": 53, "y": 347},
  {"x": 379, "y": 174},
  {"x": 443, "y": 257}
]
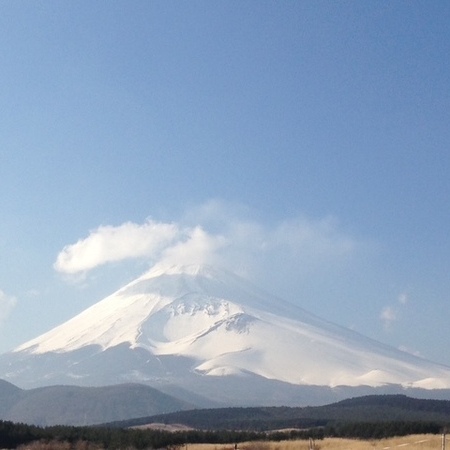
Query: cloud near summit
[
  {"x": 239, "y": 244},
  {"x": 109, "y": 244}
]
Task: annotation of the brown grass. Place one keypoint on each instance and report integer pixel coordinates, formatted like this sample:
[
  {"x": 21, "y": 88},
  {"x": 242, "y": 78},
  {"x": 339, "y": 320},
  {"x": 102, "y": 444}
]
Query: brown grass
[
  {"x": 415, "y": 442},
  {"x": 57, "y": 445}
]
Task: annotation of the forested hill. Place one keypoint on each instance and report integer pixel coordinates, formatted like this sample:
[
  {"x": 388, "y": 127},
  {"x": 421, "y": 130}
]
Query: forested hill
[
  {"x": 403, "y": 402},
  {"x": 370, "y": 409}
]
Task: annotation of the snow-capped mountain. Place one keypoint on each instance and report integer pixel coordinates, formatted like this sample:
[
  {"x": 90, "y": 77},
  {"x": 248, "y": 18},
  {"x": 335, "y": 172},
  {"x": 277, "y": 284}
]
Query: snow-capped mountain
[{"x": 194, "y": 326}]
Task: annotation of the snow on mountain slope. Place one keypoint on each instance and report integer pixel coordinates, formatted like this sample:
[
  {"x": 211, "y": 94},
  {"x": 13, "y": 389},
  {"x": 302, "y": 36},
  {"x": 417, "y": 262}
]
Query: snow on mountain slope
[{"x": 226, "y": 326}]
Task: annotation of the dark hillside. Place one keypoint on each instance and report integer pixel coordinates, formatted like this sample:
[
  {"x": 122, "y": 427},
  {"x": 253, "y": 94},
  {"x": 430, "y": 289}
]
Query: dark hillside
[
  {"x": 398, "y": 401},
  {"x": 369, "y": 409}
]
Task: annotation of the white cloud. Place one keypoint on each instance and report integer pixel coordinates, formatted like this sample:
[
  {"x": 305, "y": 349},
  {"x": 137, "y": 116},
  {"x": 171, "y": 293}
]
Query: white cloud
[
  {"x": 408, "y": 350},
  {"x": 286, "y": 252},
  {"x": 198, "y": 247},
  {"x": 7, "y": 303},
  {"x": 316, "y": 238},
  {"x": 109, "y": 244},
  {"x": 388, "y": 315},
  {"x": 289, "y": 252},
  {"x": 403, "y": 298}
]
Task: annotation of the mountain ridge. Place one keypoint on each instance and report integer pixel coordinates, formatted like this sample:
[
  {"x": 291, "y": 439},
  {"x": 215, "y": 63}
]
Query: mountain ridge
[
  {"x": 75, "y": 405},
  {"x": 198, "y": 327},
  {"x": 368, "y": 408}
]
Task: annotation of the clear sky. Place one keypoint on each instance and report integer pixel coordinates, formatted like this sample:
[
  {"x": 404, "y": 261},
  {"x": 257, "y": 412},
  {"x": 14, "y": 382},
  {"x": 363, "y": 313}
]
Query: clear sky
[{"x": 303, "y": 144}]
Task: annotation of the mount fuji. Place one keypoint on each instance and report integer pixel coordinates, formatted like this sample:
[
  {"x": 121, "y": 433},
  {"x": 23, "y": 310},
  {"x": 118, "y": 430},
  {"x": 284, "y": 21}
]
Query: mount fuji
[{"x": 207, "y": 335}]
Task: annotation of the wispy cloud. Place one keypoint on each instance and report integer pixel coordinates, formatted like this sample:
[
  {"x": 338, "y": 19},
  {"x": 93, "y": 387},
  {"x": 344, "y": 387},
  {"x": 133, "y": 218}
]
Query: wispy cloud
[
  {"x": 222, "y": 234},
  {"x": 390, "y": 314},
  {"x": 7, "y": 303},
  {"x": 408, "y": 350},
  {"x": 403, "y": 298},
  {"x": 198, "y": 247}
]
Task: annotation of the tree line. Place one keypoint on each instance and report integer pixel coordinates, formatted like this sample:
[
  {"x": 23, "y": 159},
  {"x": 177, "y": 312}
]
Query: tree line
[{"x": 13, "y": 435}]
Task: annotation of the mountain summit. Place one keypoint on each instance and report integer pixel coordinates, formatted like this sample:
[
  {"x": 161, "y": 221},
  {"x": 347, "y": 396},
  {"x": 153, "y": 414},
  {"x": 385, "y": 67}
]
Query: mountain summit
[{"x": 188, "y": 325}]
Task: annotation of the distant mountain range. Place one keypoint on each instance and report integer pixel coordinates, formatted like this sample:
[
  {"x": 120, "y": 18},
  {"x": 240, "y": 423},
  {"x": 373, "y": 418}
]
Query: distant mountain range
[
  {"x": 210, "y": 338},
  {"x": 75, "y": 405},
  {"x": 132, "y": 405}
]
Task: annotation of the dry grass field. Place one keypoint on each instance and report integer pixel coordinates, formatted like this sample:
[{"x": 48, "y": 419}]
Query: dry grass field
[{"x": 415, "y": 442}]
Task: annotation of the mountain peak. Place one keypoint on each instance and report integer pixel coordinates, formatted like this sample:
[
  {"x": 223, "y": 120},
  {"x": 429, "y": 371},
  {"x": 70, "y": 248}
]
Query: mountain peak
[
  {"x": 183, "y": 269},
  {"x": 210, "y": 322}
]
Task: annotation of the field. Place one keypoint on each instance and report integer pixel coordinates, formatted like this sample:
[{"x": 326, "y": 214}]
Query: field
[
  {"x": 413, "y": 442},
  {"x": 416, "y": 442}
]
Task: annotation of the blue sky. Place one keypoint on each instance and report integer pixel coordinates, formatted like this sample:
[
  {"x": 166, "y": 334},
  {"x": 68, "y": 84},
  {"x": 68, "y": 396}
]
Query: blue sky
[{"x": 303, "y": 144}]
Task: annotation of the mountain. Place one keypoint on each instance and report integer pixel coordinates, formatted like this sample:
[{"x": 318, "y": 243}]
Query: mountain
[
  {"x": 9, "y": 395},
  {"x": 368, "y": 409},
  {"x": 212, "y": 338},
  {"x": 75, "y": 405}
]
